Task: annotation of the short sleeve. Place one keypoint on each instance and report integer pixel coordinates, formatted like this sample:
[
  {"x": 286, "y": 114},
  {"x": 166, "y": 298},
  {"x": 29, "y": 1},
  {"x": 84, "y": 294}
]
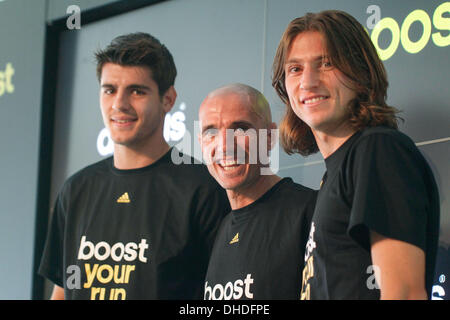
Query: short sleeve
[
  {"x": 211, "y": 208},
  {"x": 51, "y": 266},
  {"x": 390, "y": 193}
]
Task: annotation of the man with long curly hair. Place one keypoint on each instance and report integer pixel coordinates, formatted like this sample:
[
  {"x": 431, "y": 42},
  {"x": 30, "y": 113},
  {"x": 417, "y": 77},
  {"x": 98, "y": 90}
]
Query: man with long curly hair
[{"x": 375, "y": 228}]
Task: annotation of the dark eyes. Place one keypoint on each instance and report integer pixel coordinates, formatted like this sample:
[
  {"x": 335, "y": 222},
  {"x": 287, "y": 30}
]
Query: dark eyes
[
  {"x": 325, "y": 64},
  {"x": 293, "y": 69},
  {"x": 137, "y": 92},
  {"x": 108, "y": 90}
]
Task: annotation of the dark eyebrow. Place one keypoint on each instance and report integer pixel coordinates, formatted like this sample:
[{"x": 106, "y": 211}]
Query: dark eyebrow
[
  {"x": 139, "y": 86},
  {"x": 241, "y": 124},
  {"x": 130, "y": 87},
  {"x": 317, "y": 58}
]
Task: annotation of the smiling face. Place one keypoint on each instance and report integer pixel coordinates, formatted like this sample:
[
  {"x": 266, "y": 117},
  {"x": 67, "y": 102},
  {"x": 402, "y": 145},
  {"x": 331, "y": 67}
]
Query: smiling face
[
  {"x": 131, "y": 106},
  {"x": 229, "y": 140},
  {"x": 318, "y": 93}
]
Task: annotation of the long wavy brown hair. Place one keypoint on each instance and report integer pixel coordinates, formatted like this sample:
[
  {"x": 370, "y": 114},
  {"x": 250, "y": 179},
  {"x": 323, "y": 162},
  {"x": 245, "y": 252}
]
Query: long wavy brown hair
[{"x": 351, "y": 51}]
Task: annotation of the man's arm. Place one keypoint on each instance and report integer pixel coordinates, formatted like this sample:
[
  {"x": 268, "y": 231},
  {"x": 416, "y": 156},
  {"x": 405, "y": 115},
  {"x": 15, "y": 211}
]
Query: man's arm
[
  {"x": 58, "y": 293},
  {"x": 401, "y": 268}
]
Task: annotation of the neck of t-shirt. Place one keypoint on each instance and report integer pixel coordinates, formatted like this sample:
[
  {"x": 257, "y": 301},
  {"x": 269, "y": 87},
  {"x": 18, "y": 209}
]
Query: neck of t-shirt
[
  {"x": 128, "y": 158},
  {"x": 165, "y": 158},
  {"x": 245, "y": 196},
  {"x": 333, "y": 161},
  {"x": 330, "y": 141}
]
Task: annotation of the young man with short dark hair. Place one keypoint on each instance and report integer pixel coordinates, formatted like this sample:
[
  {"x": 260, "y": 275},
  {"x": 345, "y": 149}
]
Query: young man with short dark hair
[{"x": 135, "y": 225}]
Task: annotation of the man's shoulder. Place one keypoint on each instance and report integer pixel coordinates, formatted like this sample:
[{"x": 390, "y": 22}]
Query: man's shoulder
[
  {"x": 288, "y": 202},
  {"x": 389, "y": 148},
  {"x": 387, "y": 134},
  {"x": 189, "y": 168},
  {"x": 291, "y": 192},
  {"x": 92, "y": 171},
  {"x": 294, "y": 187}
]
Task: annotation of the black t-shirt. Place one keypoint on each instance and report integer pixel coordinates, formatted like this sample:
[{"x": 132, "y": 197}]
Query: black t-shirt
[
  {"x": 134, "y": 234},
  {"x": 376, "y": 181},
  {"x": 259, "y": 249}
]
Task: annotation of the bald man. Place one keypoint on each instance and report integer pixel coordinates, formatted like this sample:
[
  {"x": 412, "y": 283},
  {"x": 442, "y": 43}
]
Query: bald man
[{"x": 259, "y": 249}]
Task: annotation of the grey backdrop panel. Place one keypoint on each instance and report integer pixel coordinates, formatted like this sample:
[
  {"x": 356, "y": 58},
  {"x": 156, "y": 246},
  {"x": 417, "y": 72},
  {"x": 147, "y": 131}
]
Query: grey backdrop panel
[{"x": 22, "y": 43}]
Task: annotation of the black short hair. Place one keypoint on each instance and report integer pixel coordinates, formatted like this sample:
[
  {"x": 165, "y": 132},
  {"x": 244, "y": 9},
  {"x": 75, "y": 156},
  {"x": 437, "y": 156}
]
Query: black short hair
[{"x": 140, "y": 49}]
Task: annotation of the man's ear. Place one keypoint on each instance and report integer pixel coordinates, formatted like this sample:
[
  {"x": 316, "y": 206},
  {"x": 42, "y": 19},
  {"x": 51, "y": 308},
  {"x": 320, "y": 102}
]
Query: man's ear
[
  {"x": 169, "y": 99},
  {"x": 272, "y": 136}
]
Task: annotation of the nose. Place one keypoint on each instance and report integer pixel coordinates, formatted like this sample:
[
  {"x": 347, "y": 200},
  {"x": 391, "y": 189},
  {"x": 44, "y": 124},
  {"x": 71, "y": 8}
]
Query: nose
[
  {"x": 310, "y": 77},
  {"x": 226, "y": 143},
  {"x": 121, "y": 102}
]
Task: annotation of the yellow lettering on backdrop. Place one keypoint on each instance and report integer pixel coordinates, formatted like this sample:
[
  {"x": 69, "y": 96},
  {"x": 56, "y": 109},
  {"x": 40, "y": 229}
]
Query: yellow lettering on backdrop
[
  {"x": 390, "y": 24},
  {"x": 6, "y": 85},
  {"x": 424, "y": 19},
  {"x": 440, "y": 22}
]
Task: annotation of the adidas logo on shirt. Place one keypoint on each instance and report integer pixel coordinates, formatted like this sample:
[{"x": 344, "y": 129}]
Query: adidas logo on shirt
[
  {"x": 124, "y": 198},
  {"x": 235, "y": 239}
]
